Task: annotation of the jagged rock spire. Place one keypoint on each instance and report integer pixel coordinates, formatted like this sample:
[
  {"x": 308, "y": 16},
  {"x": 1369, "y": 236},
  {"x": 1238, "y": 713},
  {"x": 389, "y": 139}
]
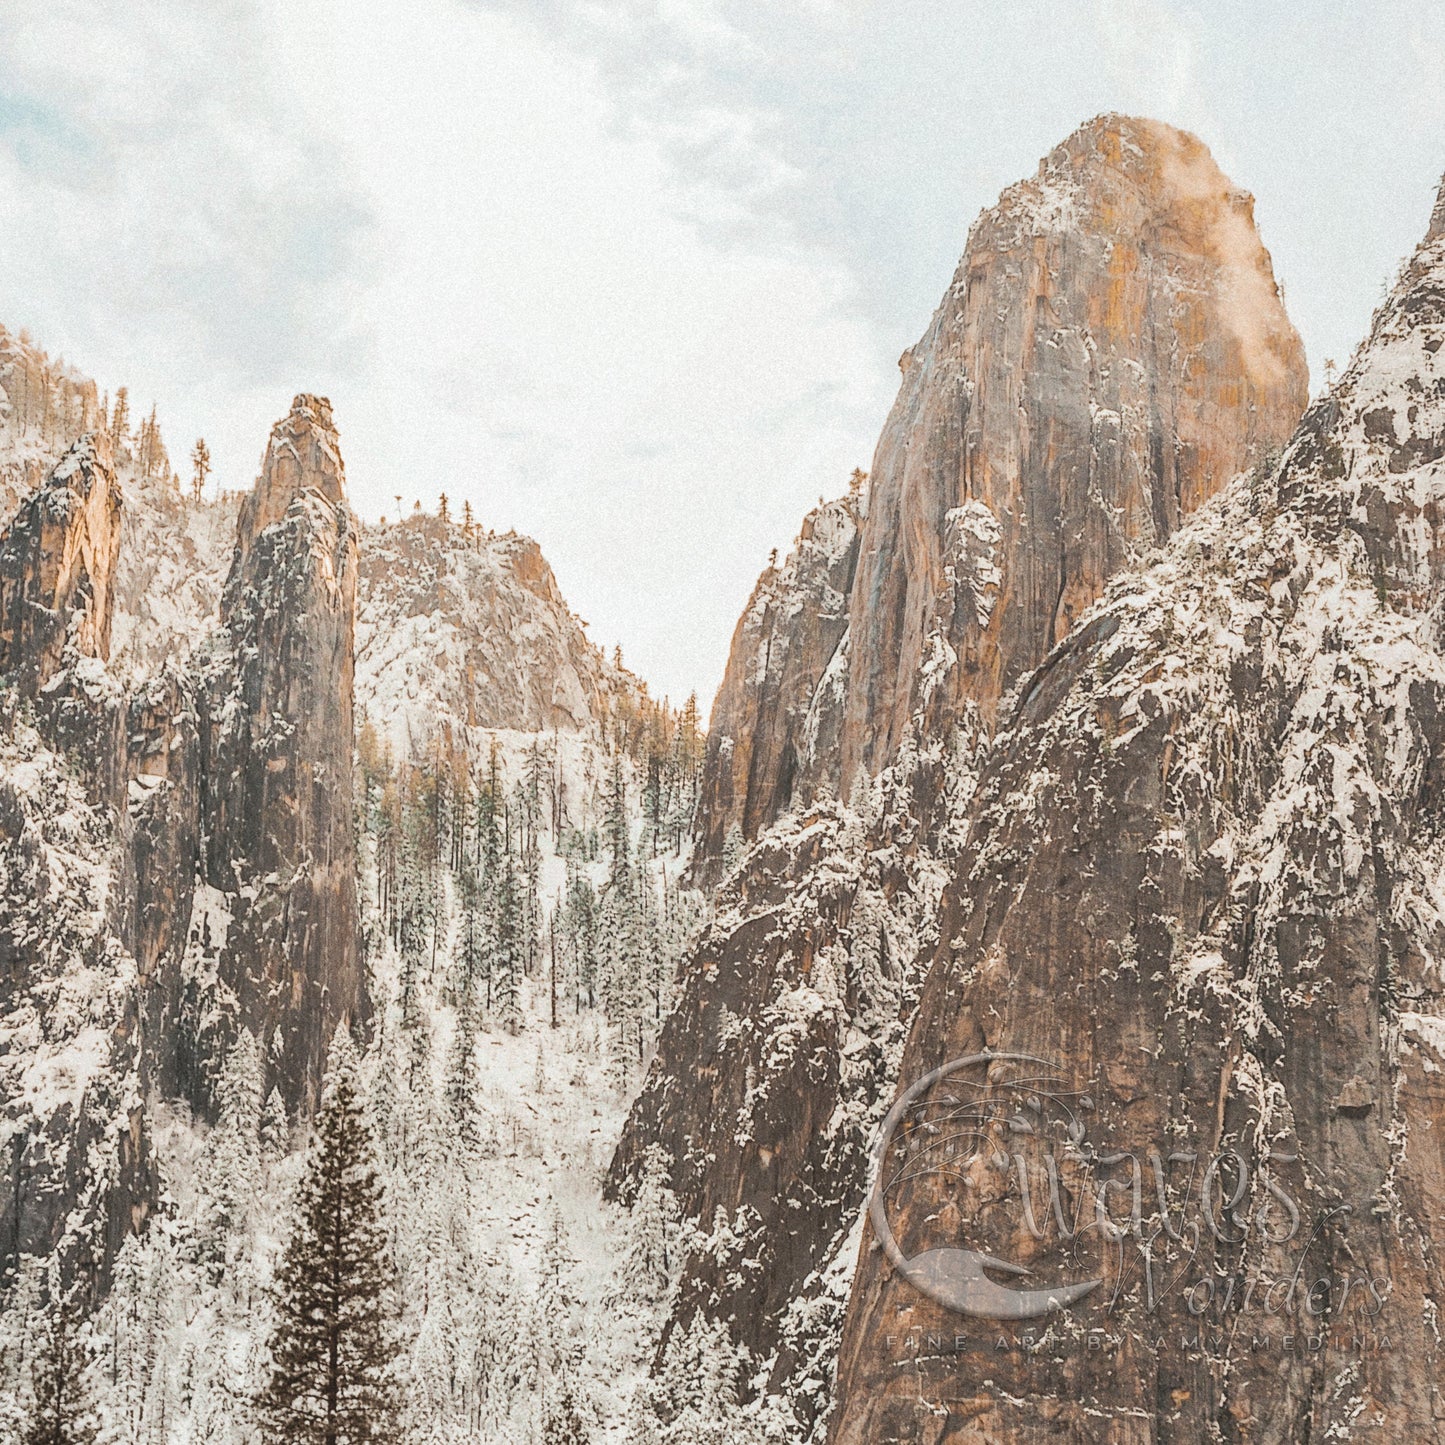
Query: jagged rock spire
[
  {"x": 57, "y": 561},
  {"x": 1112, "y": 351},
  {"x": 279, "y": 839}
]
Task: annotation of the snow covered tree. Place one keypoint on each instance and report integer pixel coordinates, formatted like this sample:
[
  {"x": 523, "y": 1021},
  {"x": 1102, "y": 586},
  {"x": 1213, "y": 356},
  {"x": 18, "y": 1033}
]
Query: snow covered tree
[
  {"x": 60, "y": 1412},
  {"x": 334, "y": 1343},
  {"x": 507, "y": 957},
  {"x": 461, "y": 1083},
  {"x": 579, "y": 923},
  {"x": 616, "y": 821},
  {"x": 275, "y": 1130},
  {"x": 694, "y": 1395},
  {"x": 733, "y": 850},
  {"x": 232, "y": 1162},
  {"x": 648, "y": 1267},
  {"x": 562, "y": 1421}
]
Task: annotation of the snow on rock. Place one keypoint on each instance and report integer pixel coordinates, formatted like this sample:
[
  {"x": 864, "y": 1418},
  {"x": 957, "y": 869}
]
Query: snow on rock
[
  {"x": 1202, "y": 872},
  {"x": 460, "y": 629}
]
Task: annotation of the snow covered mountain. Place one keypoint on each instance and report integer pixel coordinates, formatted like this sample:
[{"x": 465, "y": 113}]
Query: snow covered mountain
[
  {"x": 209, "y": 867},
  {"x": 1208, "y": 835},
  {"x": 1074, "y": 787},
  {"x": 1112, "y": 350},
  {"x": 468, "y": 627}
]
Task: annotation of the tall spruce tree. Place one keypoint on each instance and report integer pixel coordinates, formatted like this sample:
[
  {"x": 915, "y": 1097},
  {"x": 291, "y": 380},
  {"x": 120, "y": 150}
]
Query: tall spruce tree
[
  {"x": 334, "y": 1343},
  {"x": 60, "y": 1414}
]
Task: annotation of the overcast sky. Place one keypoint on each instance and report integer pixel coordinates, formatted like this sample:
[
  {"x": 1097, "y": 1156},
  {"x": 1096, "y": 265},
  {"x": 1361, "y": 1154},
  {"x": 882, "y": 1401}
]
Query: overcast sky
[{"x": 631, "y": 275}]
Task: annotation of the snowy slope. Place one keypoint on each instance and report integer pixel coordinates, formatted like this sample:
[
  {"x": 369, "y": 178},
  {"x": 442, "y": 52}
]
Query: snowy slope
[{"x": 461, "y": 629}]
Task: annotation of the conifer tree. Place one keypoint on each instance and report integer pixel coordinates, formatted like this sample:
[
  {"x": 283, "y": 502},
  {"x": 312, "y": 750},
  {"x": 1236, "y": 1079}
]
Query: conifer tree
[
  {"x": 648, "y": 1268},
  {"x": 200, "y": 469},
  {"x": 460, "y": 1083},
  {"x": 733, "y": 850},
  {"x": 507, "y": 958},
  {"x": 233, "y": 1151},
  {"x": 616, "y": 817},
  {"x": 150, "y": 434},
  {"x": 60, "y": 1414},
  {"x": 275, "y": 1130},
  {"x": 562, "y": 1422},
  {"x": 334, "y": 1345},
  {"x": 120, "y": 417}
]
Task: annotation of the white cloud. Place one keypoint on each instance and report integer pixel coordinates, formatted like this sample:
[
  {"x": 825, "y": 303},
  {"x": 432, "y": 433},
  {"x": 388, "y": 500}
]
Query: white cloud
[{"x": 630, "y": 274}]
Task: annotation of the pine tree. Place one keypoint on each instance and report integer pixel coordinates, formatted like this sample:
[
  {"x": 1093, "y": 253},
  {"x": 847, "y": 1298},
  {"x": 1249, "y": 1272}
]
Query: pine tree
[
  {"x": 460, "y": 1085},
  {"x": 334, "y": 1345},
  {"x": 507, "y": 958},
  {"x": 275, "y": 1130},
  {"x": 200, "y": 468},
  {"x": 648, "y": 1268},
  {"x": 60, "y": 1414},
  {"x": 120, "y": 418},
  {"x": 579, "y": 923},
  {"x": 562, "y": 1422},
  {"x": 733, "y": 850},
  {"x": 232, "y": 1162},
  {"x": 149, "y": 443},
  {"x": 616, "y": 821}
]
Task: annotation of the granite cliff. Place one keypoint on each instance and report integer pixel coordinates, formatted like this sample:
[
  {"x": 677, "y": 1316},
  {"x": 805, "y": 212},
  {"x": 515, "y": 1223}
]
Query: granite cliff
[
  {"x": 1112, "y": 350},
  {"x": 1199, "y": 885}
]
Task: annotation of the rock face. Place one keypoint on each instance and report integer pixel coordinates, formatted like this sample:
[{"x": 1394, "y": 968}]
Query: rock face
[
  {"x": 771, "y": 719},
  {"x": 461, "y": 628},
  {"x": 1111, "y": 352},
  {"x": 221, "y": 779},
  {"x": 177, "y": 844},
  {"x": 78, "y": 1169},
  {"x": 45, "y": 406},
  {"x": 57, "y": 561},
  {"x": 1200, "y": 885},
  {"x": 276, "y": 763}
]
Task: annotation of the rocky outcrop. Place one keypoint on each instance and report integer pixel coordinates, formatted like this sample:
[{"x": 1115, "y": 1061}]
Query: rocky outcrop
[
  {"x": 57, "y": 561},
  {"x": 1199, "y": 894},
  {"x": 45, "y": 406},
  {"x": 771, "y": 718},
  {"x": 1111, "y": 352},
  {"x": 79, "y": 1173},
  {"x": 459, "y": 628},
  {"x": 276, "y": 736}
]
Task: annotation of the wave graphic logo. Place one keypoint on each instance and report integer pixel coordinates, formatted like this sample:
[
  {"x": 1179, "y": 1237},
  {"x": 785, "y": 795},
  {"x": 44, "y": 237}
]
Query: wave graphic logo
[{"x": 998, "y": 1138}]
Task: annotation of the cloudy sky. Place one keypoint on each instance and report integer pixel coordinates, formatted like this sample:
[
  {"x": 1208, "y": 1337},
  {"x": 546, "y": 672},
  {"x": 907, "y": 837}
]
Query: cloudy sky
[{"x": 631, "y": 275}]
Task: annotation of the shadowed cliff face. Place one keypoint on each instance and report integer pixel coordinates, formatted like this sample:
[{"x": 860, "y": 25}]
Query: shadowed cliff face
[
  {"x": 1111, "y": 352},
  {"x": 281, "y": 953},
  {"x": 57, "y": 562},
  {"x": 1201, "y": 883}
]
